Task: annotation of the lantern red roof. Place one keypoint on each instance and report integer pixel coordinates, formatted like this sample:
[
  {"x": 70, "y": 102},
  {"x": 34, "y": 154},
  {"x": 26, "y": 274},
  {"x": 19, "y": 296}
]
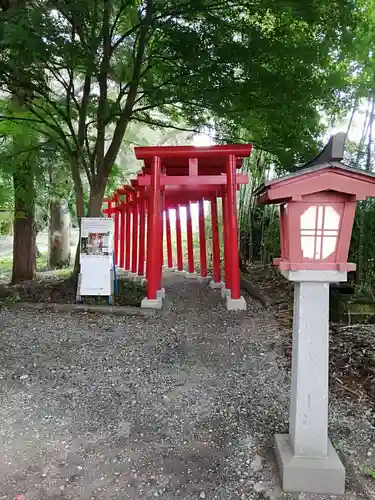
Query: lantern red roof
[
  {"x": 332, "y": 176},
  {"x": 326, "y": 172}
]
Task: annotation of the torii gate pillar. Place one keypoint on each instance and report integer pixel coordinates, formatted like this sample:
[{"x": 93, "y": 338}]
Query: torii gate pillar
[
  {"x": 234, "y": 302},
  {"x": 153, "y": 241}
]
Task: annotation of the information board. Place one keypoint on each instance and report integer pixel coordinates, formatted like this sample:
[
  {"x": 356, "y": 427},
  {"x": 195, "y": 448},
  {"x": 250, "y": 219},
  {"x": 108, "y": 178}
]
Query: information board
[{"x": 96, "y": 257}]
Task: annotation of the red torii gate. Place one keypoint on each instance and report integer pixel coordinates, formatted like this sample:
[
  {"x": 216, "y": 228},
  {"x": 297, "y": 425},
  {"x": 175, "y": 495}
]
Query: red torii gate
[{"x": 173, "y": 177}]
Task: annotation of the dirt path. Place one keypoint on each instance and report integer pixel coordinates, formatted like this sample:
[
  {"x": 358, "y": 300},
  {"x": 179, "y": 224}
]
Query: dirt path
[{"x": 182, "y": 405}]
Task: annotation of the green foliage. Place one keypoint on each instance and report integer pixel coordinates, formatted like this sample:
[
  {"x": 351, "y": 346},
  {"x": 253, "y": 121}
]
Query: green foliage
[
  {"x": 88, "y": 69},
  {"x": 87, "y": 72},
  {"x": 364, "y": 251},
  {"x": 258, "y": 225}
]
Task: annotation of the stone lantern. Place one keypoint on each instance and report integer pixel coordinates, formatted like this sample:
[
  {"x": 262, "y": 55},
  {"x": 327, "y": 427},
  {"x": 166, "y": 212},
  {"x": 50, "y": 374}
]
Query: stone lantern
[{"x": 317, "y": 207}]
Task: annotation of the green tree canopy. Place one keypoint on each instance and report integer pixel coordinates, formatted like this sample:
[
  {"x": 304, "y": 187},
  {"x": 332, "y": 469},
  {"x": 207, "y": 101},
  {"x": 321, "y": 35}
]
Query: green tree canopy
[{"x": 88, "y": 68}]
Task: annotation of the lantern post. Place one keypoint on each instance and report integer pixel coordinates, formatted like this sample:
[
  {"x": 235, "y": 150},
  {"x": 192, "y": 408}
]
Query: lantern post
[{"x": 316, "y": 218}]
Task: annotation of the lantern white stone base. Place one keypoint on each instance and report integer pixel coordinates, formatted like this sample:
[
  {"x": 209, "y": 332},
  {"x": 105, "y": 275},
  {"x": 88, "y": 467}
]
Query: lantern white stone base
[
  {"x": 311, "y": 475},
  {"x": 235, "y": 304},
  {"x": 152, "y": 303},
  {"x": 160, "y": 293},
  {"x": 316, "y": 276},
  {"x": 225, "y": 292},
  {"x": 306, "y": 458},
  {"x": 215, "y": 285}
]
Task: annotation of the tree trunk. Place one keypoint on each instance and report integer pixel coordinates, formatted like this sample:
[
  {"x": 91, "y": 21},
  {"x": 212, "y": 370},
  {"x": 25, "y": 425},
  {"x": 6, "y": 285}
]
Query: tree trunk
[
  {"x": 80, "y": 211},
  {"x": 75, "y": 272},
  {"x": 96, "y": 199},
  {"x": 59, "y": 234},
  {"x": 24, "y": 228},
  {"x": 94, "y": 210},
  {"x": 24, "y": 235}
]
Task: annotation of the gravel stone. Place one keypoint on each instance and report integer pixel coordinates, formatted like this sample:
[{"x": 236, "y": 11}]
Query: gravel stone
[
  {"x": 256, "y": 464},
  {"x": 178, "y": 405},
  {"x": 258, "y": 488}
]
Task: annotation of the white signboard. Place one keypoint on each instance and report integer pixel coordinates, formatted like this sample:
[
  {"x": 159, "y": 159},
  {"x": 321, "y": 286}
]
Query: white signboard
[{"x": 96, "y": 257}]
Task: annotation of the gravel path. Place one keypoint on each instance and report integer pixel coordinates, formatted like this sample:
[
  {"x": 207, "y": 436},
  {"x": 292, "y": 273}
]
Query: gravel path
[{"x": 181, "y": 405}]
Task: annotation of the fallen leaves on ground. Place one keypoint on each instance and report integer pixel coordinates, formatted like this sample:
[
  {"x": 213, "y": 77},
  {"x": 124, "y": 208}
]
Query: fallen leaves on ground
[{"x": 352, "y": 348}]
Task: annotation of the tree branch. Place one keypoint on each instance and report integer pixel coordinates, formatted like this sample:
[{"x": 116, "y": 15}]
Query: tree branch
[
  {"x": 125, "y": 116},
  {"x": 103, "y": 89},
  {"x": 117, "y": 18},
  {"x": 56, "y": 128},
  {"x": 157, "y": 123},
  {"x": 123, "y": 37},
  {"x": 33, "y": 148},
  {"x": 20, "y": 119}
]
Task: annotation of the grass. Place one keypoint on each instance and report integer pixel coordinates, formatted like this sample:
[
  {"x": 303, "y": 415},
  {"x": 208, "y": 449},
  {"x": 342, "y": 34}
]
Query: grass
[
  {"x": 367, "y": 471},
  {"x": 6, "y": 264}
]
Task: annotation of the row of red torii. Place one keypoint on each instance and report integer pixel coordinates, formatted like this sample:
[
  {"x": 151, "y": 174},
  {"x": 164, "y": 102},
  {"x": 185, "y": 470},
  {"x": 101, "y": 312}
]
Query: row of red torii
[{"x": 173, "y": 177}]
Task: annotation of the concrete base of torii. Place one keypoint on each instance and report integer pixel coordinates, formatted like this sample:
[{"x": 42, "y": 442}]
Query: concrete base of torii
[
  {"x": 235, "y": 304},
  {"x": 152, "y": 303},
  {"x": 191, "y": 275},
  {"x": 169, "y": 269},
  {"x": 216, "y": 285},
  {"x": 204, "y": 279},
  {"x": 306, "y": 458},
  {"x": 121, "y": 273},
  {"x": 138, "y": 277}
]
